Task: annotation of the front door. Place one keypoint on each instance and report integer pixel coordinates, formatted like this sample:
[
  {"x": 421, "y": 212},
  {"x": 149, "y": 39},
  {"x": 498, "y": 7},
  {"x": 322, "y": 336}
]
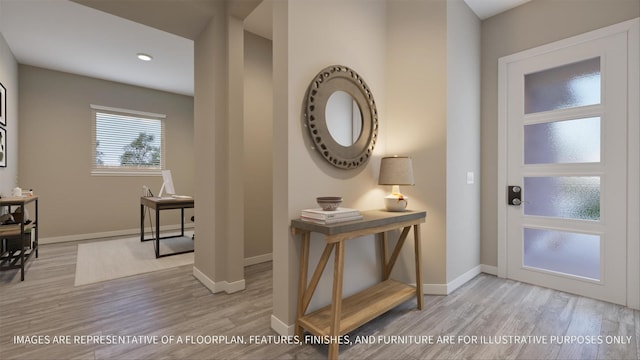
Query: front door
[{"x": 566, "y": 127}]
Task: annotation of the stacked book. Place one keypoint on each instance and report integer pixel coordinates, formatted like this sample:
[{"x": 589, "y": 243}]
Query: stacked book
[{"x": 338, "y": 215}]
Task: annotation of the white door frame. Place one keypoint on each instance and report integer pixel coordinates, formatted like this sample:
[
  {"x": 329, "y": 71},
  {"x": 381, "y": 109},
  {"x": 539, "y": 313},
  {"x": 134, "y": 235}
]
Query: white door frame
[{"x": 632, "y": 28}]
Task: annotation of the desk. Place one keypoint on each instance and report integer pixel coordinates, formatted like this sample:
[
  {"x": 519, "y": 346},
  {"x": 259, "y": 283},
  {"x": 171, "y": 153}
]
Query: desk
[
  {"x": 345, "y": 315},
  {"x": 158, "y": 204},
  {"x": 15, "y": 257}
]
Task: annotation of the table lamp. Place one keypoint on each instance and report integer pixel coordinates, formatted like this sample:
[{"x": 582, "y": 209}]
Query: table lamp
[{"x": 396, "y": 171}]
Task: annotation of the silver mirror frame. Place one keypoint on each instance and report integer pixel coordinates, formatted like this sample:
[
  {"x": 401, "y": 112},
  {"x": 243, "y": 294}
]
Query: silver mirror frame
[{"x": 325, "y": 83}]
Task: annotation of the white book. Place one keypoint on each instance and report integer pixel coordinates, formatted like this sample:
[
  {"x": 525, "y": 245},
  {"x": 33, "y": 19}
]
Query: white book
[
  {"x": 324, "y": 214},
  {"x": 331, "y": 221}
]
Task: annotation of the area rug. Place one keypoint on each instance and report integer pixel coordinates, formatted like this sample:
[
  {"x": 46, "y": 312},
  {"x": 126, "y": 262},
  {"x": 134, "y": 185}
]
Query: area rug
[{"x": 112, "y": 259}]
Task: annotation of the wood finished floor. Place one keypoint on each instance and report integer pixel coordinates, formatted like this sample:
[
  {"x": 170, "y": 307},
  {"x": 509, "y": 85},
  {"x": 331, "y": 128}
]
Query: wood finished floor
[{"x": 173, "y": 303}]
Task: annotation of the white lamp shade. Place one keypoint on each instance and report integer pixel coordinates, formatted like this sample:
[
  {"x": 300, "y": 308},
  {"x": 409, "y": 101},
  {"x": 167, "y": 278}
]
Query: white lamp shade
[{"x": 396, "y": 170}]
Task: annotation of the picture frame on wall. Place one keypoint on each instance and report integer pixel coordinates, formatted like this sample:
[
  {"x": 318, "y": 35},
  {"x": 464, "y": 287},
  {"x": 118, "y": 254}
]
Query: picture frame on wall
[
  {"x": 3, "y": 147},
  {"x": 3, "y": 105}
]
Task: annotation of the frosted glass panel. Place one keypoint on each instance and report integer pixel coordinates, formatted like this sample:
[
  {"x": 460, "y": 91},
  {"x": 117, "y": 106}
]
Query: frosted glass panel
[
  {"x": 572, "y": 141},
  {"x": 567, "y": 86},
  {"x": 572, "y": 197},
  {"x": 565, "y": 252}
]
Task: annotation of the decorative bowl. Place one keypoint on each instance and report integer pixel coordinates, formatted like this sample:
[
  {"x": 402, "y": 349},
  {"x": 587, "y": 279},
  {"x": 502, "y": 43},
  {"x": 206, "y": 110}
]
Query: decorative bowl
[{"x": 329, "y": 203}]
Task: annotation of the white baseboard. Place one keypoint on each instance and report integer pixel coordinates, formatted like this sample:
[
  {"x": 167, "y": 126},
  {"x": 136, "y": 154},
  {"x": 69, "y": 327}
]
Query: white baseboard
[
  {"x": 489, "y": 269},
  {"x": 448, "y": 288},
  {"x": 434, "y": 289},
  {"x": 206, "y": 281},
  {"x": 258, "y": 259},
  {"x": 107, "y": 234},
  {"x": 128, "y": 232},
  {"x": 220, "y": 286},
  {"x": 232, "y": 287},
  {"x": 463, "y": 279},
  {"x": 281, "y": 328}
]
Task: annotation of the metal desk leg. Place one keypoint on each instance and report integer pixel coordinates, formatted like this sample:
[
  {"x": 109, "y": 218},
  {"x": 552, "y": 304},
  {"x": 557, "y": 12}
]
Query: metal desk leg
[
  {"x": 141, "y": 223},
  {"x": 157, "y": 233},
  {"x": 181, "y": 221},
  {"x": 22, "y": 245},
  {"x": 35, "y": 228}
]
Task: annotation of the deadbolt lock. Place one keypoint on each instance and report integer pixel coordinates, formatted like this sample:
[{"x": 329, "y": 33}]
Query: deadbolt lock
[{"x": 514, "y": 195}]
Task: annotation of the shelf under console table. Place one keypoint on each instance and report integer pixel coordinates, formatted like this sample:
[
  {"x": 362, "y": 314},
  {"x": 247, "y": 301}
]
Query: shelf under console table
[{"x": 345, "y": 315}]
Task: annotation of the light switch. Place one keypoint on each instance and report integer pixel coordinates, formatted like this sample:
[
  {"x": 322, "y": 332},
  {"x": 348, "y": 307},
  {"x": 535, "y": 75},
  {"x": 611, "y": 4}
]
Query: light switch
[{"x": 470, "y": 177}]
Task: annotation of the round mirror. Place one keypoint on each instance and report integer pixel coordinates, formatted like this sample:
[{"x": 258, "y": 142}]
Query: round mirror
[
  {"x": 344, "y": 119},
  {"x": 341, "y": 117}
]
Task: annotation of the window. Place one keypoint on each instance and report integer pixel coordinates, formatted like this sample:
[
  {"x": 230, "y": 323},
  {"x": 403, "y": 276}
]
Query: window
[{"x": 127, "y": 142}]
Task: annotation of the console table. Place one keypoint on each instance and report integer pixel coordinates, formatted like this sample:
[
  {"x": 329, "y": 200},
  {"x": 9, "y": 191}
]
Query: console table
[
  {"x": 164, "y": 203},
  {"x": 16, "y": 256},
  {"x": 345, "y": 315}
]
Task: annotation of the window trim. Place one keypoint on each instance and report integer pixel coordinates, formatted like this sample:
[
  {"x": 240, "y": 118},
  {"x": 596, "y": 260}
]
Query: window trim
[{"x": 116, "y": 171}]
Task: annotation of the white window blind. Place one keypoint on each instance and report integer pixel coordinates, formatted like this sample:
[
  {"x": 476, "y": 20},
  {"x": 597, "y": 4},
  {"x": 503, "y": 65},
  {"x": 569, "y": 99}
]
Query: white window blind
[{"x": 127, "y": 142}]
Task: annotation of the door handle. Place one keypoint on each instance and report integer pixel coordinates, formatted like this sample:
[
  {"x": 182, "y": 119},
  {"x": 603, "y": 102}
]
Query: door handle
[{"x": 514, "y": 195}]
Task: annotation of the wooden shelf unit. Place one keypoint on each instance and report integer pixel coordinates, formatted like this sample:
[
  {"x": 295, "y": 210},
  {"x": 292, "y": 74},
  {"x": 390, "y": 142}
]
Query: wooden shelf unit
[
  {"x": 345, "y": 315},
  {"x": 15, "y": 229},
  {"x": 21, "y": 234}
]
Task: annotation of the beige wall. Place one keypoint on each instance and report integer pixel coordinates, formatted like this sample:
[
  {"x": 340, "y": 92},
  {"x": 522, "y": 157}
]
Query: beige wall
[
  {"x": 210, "y": 140},
  {"x": 416, "y": 120},
  {"x": 405, "y": 53},
  {"x": 9, "y": 79},
  {"x": 433, "y": 66},
  {"x": 533, "y": 24},
  {"x": 55, "y": 152},
  {"x": 219, "y": 132},
  {"x": 354, "y": 38},
  {"x": 258, "y": 146},
  {"x": 463, "y": 139}
]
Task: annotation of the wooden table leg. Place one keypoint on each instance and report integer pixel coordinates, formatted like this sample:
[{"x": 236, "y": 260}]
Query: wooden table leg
[
  {"x": 302, "y": 280},
  {"x": 383, "y": 254},
  {"x": 419, "y": 293},
  {"x": 336, "y": 300}
]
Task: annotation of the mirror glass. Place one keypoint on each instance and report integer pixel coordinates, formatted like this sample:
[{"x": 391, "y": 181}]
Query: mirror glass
[{"x": 344, "y": 118}]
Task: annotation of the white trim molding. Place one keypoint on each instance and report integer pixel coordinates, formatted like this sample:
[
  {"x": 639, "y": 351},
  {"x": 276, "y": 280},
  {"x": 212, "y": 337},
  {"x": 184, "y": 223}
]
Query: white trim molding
[
  {"x": 435, "y": 289},
  {"x": 463, "y": 279},
  {"x": 217, "y": 287},
  {"x": 281, "y": 328},
  {"x": 451, "y": 286},
  {"x": 127, "y": 111},
  {"x": 108, "y": 234},
  {"x": 632, "y": 29},
  {"x": 489, "y": 269},
  {"x": 633, "y": 167},
  {"x": 258, "y": 259}
]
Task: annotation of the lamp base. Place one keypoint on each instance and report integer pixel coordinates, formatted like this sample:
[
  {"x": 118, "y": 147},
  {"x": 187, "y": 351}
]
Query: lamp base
[{"x": 396, "y": 202}]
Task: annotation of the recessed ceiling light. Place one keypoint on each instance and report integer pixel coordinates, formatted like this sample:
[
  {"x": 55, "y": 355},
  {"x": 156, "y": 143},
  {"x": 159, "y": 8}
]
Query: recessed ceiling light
[{"x": 144, "y": 57}]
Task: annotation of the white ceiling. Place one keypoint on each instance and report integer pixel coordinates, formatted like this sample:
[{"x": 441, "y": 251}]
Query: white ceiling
[
  {"x": 487, "y": 8},
  {"x": 66, "y": 36},
  {"x": 69, "y": 37}
]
